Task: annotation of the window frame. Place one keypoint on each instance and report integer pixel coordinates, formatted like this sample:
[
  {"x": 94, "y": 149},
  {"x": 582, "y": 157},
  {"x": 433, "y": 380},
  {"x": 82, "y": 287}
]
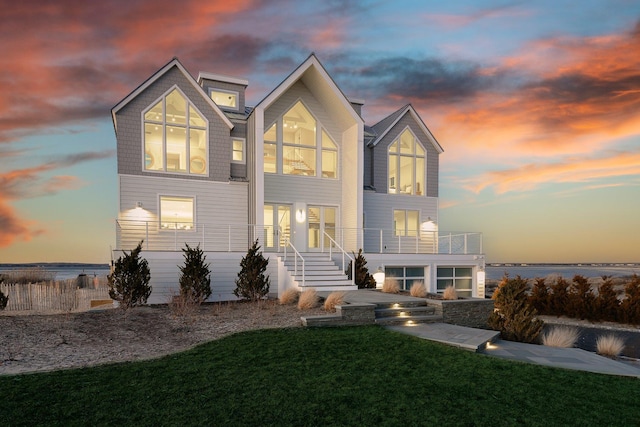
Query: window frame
[
  {"x": 406, "y": 224},
  {"x": 186, "y": 126},
  {"x": 231, "y": 92},
  {"x": 455, "y": 278},
  {"x": 193, "y": 222},
  {"x": 405, "y": 281},
  {"x": 393, "y": 182},
  {"x": 244, "y": 150}
]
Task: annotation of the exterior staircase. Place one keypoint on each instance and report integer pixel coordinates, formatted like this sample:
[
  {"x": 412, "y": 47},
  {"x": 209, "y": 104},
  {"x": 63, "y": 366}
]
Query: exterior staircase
[
  {"x": 320, "y": 273},
  {"x": 405, "y": 313}
]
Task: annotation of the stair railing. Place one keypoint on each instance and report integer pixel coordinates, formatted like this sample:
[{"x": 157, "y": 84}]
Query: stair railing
[
  {"x": 296, "y": 255},
  {"x": 344, "y": 254}
]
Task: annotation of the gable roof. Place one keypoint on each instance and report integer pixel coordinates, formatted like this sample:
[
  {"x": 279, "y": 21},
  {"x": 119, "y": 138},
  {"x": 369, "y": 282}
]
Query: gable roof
[
  {"x": 161, "y": 72},
  {"x": 385, "y": 125},
  {"x": 314, "y": 71}
]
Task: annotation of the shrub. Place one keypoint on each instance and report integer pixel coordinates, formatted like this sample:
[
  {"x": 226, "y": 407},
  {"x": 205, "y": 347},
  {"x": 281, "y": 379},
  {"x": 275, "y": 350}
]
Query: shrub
[
  {"x": 609, "y": 345},
  {"x": 391, "y": 286},
  {"x": 607, "y": 303},
  {"x": 289, "y": 296},
  {"x": 513, "y": 316},
  {"x": 4, "y": 299},
  {"x": 540, "y": 299},
  {"x": 450, "y": 293},
  {"x": 363, "y": 279},
  {"x": 630, "y": 306},
  {"x": 334, "y": 298},
  {"x": 129, "y": 282},
  {"x": 28, "y": 275},
  {"x": 581, "y": 300},
  {"x": 195, "y": 279},
  {"x": 561, "y": 336},
  {"x": 183, "y": 306},
  {"x": 559, "y": 297},
  {"x": 418, "y": 290},
  {"x": 251, "y": 283},
  {"x": 308, "y": 299}
]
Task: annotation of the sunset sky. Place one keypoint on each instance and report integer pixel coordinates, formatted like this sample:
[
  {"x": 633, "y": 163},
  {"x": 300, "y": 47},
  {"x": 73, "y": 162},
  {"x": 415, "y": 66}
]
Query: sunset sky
[{"x": 536, "y": 104}]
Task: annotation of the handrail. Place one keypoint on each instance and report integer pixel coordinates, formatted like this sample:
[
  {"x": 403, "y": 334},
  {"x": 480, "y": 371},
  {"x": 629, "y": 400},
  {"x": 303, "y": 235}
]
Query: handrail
[
  {"x": 351, "y": 260},
  {"x": 295, "y": 258}
]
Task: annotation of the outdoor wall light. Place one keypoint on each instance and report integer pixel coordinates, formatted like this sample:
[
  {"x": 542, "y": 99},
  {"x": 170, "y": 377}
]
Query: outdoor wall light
[
  {"x": 138, "y": 205},
  {"x": 300, "y": 215},
  {"x": 379, "y": 276}
]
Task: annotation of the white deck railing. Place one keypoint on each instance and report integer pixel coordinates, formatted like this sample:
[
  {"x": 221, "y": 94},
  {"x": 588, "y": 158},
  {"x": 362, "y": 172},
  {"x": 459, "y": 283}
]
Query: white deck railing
[
  {"x": 239, "y": 237},
  {"x": 332, "y": 244}
]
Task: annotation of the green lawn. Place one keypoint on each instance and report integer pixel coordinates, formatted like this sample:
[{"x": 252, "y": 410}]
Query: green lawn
[{"x": 360, "y": 376}]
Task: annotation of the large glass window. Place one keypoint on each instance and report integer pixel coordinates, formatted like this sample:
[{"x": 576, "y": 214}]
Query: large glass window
[
  {"x": 405, "y": 276},
  {"x": 406, "y": 223},
  {"x": 461, "y": 278},
  {"x": 297, "y": 145},
  {"x": 175, "y": 136},
  {"x": 176, "y": 213},
  {"x": 406, "y": 165}
]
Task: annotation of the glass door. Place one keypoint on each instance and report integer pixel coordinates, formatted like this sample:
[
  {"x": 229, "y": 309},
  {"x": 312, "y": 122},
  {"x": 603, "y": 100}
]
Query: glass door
[
  {"x": 321, "y": 220},
  {"x": 277, "y": 226}
]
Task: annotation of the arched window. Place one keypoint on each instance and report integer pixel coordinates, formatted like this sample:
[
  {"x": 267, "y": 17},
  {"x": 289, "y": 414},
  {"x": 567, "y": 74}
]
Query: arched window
[
  {"x": 175, "y": 136},
  {"x": 406, "y": 165}
]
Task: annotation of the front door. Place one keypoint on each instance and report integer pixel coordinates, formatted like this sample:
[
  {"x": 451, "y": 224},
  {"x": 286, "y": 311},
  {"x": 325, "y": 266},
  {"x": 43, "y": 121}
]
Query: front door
[
  {"x": 321, "y": 222},
  {"x": 277, "y": 226}
]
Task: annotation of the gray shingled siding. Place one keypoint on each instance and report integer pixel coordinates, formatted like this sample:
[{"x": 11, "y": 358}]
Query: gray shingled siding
[
  {"x": 130, "y": 125},
  {"x": 215, "y": 84},
  {"x": 368, "y": 172},
  {"x": 380, "y": 158},
  {"x": 239, "y": 131}
]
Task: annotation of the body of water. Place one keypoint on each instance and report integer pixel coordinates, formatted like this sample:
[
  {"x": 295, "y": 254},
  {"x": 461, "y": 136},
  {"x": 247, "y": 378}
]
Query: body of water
[
  {"x": 62, "y": 271},
  {"x": 531, "y": 271}
]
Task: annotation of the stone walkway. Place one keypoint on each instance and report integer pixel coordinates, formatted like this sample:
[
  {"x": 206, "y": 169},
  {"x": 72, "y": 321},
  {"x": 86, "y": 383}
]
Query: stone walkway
[{"x": 487, "y": 342}]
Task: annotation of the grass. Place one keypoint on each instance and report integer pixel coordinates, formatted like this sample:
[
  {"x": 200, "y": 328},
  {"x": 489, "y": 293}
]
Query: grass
[
  {"x": 391, "y": 286},
  {"x": 320, "y": 376},
  {"x": 561, "y": 336},
  {"x": 609, "y": 345},
  {"x": 450, "y": 293},
  {"x": 418, "y": 290},
  {"x": 290, "y": 296}
]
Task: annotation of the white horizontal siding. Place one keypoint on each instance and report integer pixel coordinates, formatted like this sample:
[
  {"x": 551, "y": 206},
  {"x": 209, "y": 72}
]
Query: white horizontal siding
[
  {"x": 221, "y": 213},
  {"x": 312, "y": 191}
]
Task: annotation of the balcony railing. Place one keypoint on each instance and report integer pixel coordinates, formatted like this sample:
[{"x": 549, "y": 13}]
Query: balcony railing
[{"x": 238, "y": 238}]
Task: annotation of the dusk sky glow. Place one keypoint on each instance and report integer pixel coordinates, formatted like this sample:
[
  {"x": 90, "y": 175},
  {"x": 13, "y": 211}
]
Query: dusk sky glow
[{"x": 536, "y": 104}]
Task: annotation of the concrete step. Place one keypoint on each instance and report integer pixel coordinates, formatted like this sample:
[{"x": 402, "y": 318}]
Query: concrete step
[
  {"x": 404, "y": 312},
  {"x": 328, "y": 287},
  {"x": 412, "y": 320},
  {"x": 332, "y": 282}
]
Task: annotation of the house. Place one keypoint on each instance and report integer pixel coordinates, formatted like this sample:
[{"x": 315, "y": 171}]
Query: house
[{"x": 300, "y": 172}]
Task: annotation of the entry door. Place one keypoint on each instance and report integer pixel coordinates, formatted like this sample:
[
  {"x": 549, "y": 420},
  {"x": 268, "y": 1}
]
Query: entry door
[
  {"x": 321, "y": 220},
  {"x": 277, "y": 226}
]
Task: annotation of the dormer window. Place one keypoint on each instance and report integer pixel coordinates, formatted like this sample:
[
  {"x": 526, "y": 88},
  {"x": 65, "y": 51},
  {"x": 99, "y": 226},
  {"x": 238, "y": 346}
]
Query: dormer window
[
  {"x": 406, "y": 165},
  {"x": 175, "y": 136},
  {"x": 224, "y": 98}
]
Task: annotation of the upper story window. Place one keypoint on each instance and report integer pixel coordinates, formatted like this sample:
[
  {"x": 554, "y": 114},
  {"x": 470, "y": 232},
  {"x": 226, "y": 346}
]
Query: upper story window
[
  {"x": 238, "y": 150},
  {"x": 225, "y": 98},
  {"x": 175, "y": 136},
  {"x": 405, "y": 223},
  {"x": 297, "y": 145},
  {"x": 406, "y": 165}
]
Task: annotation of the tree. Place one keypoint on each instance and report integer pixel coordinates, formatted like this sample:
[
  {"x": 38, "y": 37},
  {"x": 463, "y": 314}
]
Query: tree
[
  {"x": 630, "y": 305},
  {"x": 251, "y": 283},
  {"x": 129, "y": 282},
  {"x": 581, "y": 300},
  {"x": 540, "y": 298},
  {"x": 4, "y": 299},
  {"x": 607, "y": 303},
  {"x": 514, "y": 317},
  {"x": 363, "y": 279},
  {"x": 559, "y": 297},
  {"x": 195, "y": 279}
]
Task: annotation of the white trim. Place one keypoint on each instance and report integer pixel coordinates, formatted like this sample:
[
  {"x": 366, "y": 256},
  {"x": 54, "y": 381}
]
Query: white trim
[
  {"x": 244, "y": 151},
  {"x": 221, "y": 78},
  {"x": 409, "y": 108},
  {"x": 173, "y": 63},
  {"x": 231, "y": 92}
]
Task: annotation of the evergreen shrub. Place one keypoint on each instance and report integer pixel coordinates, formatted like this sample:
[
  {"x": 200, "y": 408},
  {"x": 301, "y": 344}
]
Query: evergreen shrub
[
  {"x": 129, "y": 282},
  {"x": 252, "y": 284},
  {"x": 363, "y": 279},
  {"x": 195, "y": 277},
  {"x": 513, "y": 316}
]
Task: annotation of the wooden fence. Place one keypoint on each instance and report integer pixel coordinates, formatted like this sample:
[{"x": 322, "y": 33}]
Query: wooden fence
[{"x": 61, "y": 296}]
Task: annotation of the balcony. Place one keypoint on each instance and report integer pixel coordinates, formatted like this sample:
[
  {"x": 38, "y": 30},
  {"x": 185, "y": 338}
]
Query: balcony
[{"x": 238, "y": 238}]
